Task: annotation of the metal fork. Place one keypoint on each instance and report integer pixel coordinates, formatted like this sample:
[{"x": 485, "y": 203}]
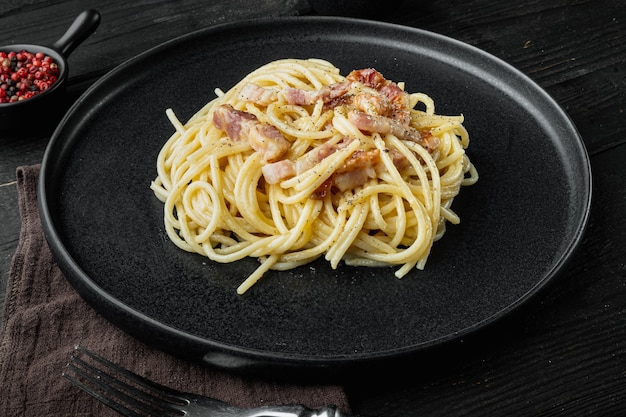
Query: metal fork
[{"x": 135, "y": 396}]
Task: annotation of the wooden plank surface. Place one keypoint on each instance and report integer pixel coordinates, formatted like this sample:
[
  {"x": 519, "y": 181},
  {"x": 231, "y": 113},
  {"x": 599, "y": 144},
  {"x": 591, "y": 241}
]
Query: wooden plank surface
[{"x": 563, "y": 354}]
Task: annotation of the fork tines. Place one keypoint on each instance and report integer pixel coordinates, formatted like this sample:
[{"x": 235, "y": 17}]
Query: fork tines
[{"x": 122, "y": 390}]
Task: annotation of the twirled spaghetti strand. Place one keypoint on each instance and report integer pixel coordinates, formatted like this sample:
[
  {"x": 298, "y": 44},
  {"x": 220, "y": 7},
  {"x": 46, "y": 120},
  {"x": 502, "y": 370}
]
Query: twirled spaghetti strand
[{"x": 296, "y": 162}]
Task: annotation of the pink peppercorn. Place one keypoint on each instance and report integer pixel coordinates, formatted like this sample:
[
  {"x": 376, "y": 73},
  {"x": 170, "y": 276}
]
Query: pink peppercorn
[{"x": 24, "y": 74}]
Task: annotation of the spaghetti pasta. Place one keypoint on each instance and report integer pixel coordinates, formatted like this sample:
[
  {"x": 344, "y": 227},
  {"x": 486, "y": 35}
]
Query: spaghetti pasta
[{"x": 297, "y": 161}]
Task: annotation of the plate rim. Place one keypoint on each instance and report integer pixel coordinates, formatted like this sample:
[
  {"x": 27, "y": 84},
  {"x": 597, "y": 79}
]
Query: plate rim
[{"x": 251, "y": 358}]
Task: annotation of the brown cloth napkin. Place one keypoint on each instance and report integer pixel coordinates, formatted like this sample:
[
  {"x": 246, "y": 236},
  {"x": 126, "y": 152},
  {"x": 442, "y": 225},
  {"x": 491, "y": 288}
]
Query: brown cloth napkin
[{"x": 44, "y": 318}]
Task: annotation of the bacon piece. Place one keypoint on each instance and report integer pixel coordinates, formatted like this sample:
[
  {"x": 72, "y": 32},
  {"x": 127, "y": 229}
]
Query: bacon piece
[
  {"x": 345, "y": 100},
  {"x": 276, "y": 172},
  {"x": 258, "y": 95},
  {"x": 268, "y": 141},
  {"x": 262, "y": 137},
  {"x": 360, "y": 160},
  {"x": 374, "y": 104},
  {"x": 300, "y": 97},
  {"x": 398, "y": 99},
  {"x": 314, "y": 156},
  {"x": 336, "y": 90},
  {"x": 394, "y": 93},
  {"x": 386, "y": 98},
  {"x": 357, "y": 169},
  {"x": 378, "y": 124},
  {"x": 399, "y": 102},
  {"x": 368, "y": 76},
  {"x": 384, "y": 125},
  {"x": 350, "y": 180},
  {"x": 431, "y": 141},
  {"x": 327, "y": 94},
  {"x": 284, "y": 169},
  {"x": 399, "y": 160},
  {"x": 323, "y": 189},
  {"x": 234, "y": 122}
]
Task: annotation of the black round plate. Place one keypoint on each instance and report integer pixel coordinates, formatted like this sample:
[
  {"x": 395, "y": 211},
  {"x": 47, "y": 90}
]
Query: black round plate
[{"x": 519, "y": 224}]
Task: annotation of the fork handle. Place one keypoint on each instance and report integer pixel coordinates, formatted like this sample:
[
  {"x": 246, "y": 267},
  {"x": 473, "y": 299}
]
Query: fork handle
[
  {"x": 203, "y": 406},
  {"x": 294, "y": 411},
  {"x": 326, "y": 411}
]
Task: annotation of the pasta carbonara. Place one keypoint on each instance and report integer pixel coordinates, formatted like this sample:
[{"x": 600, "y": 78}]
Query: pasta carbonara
[{"x": 297, "y": 161}]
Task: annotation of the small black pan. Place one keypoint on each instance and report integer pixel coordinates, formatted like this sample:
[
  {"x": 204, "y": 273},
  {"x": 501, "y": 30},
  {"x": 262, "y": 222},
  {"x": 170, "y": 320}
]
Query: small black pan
[{"x": 43, "y": 105}]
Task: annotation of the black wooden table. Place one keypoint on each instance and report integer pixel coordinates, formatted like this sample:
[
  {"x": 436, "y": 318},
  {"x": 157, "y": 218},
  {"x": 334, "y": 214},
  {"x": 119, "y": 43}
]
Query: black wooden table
[{"x": 562, "y": 354}]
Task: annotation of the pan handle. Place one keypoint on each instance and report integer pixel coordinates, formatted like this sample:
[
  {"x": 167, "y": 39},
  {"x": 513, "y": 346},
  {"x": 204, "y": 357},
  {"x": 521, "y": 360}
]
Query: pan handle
[{"x": 83, "y": 26}]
